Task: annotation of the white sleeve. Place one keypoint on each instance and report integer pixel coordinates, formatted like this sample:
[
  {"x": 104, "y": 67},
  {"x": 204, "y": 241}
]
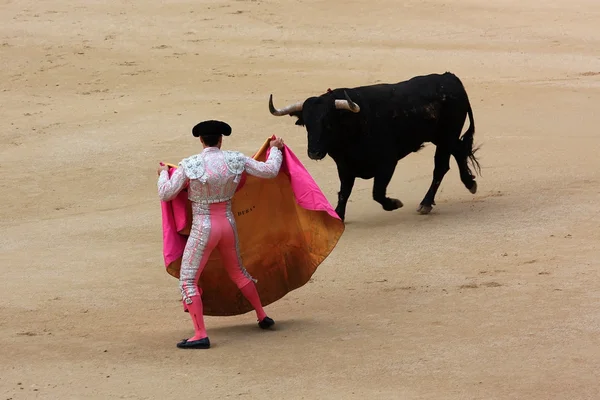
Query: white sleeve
[
  {"x": 169, "y": 188},
  {"x": 267, "y": 169}
]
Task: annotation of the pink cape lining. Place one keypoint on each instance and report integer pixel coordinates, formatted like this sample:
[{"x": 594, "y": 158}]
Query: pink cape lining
[{"x": 175, "y": 218}]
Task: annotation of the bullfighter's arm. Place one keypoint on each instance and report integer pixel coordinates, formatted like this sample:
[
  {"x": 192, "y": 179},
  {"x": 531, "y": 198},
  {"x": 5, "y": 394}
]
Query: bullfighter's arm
[
  {"x": 267, "y": 169},
  {"x": 168, "y": 189}
]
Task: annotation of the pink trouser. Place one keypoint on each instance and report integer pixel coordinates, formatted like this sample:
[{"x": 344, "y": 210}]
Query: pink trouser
[{"x": 213, "y": 227}]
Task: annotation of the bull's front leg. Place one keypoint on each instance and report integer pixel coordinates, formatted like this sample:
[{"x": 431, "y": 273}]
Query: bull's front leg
[
  {"x": 346, "y": 184},
  {"x": 380, "y": 184}
]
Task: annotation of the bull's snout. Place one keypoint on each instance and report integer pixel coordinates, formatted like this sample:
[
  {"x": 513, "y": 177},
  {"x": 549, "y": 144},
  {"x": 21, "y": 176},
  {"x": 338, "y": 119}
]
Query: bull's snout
[{"x": 316, "y": 155}]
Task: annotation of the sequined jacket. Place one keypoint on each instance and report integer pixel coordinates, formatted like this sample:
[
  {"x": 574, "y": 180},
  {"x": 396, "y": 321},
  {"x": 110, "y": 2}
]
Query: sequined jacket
[{"x": 214, "y": 175}]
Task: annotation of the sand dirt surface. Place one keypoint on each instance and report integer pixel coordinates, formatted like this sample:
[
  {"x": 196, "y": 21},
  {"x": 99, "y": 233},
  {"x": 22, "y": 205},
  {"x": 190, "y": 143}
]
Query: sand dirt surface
[{"x": 492, "y": 296}]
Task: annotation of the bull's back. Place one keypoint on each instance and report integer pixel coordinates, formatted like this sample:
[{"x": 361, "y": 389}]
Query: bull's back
[
  {"x": 409, "y": 93},
  {"x": 411, "y": 112}
]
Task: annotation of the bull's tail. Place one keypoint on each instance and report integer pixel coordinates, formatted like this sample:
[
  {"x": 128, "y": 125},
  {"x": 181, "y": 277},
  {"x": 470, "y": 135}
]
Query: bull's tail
[{"x": 467, "y": 142}]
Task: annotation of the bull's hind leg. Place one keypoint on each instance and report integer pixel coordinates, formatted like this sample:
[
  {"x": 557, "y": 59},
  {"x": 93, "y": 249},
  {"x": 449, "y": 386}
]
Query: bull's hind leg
[
  {"x": 466, "y": 176},
  {"x": 442, "y": 165},
  {"x": 380, "y": 184}
]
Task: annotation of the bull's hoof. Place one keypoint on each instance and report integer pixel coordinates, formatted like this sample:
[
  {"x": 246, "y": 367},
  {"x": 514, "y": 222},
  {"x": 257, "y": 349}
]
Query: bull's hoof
[
  {"x": 397, "y": 203},
  {"x": 424, "y": 209},
  {"x": 473, "y": 189},
  {"x": 392, "y": 204}
]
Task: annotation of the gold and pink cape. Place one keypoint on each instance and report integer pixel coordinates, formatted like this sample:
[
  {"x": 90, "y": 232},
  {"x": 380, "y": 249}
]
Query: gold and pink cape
[{"x": 286, "y": 229}]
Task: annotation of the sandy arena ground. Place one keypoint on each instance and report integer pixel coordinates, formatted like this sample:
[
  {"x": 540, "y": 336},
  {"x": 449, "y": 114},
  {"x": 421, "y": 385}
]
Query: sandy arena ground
[{"x": 492, "y": 296}]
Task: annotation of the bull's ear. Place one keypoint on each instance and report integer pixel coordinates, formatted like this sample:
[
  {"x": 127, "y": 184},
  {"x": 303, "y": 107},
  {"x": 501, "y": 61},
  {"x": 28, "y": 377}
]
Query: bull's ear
[{"x": 300, "y": 121}]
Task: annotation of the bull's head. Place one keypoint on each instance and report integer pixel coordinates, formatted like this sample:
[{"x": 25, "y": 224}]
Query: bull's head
[{"x": 319, "y": 116}]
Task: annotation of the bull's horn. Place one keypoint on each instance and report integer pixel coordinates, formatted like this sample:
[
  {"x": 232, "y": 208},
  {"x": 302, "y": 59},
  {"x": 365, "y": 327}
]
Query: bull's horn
[
  {"x": 286, "y": 110},
  {"x": 347, "y": 104}
]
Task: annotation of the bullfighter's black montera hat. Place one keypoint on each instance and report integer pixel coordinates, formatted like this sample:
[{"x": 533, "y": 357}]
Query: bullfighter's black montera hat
[{"x": 211, "y": 128}]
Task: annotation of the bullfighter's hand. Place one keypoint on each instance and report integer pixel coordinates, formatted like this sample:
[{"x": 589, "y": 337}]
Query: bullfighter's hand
[
  {"x": 162, "y": 168},
  {"x": 278, "y": 142}
]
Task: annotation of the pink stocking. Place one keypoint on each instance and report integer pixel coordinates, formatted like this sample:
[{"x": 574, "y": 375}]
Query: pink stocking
[
  {"x": 249, "y": 291},
  {"x": 196, "y": 312}
]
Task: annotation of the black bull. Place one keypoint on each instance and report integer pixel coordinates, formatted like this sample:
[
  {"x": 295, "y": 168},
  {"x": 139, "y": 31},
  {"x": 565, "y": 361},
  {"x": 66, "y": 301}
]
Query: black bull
[{"x": 367, "y": 130}]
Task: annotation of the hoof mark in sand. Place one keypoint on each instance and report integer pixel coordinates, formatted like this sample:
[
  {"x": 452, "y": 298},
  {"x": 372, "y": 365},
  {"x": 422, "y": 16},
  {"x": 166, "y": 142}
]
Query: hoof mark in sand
[
  {"x": 469, "y": 286},
  {"x": 27, "y": 334},
  {"x": 492, "y": 284}
]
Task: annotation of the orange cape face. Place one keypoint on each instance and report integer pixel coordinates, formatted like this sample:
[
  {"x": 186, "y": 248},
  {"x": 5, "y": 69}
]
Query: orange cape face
[{"x": 281, "y": 243}]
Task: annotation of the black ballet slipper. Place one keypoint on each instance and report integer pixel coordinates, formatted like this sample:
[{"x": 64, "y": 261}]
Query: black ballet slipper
[
  {"x": 266, "y": 323},
  {"x": 203, "y": 343}
]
